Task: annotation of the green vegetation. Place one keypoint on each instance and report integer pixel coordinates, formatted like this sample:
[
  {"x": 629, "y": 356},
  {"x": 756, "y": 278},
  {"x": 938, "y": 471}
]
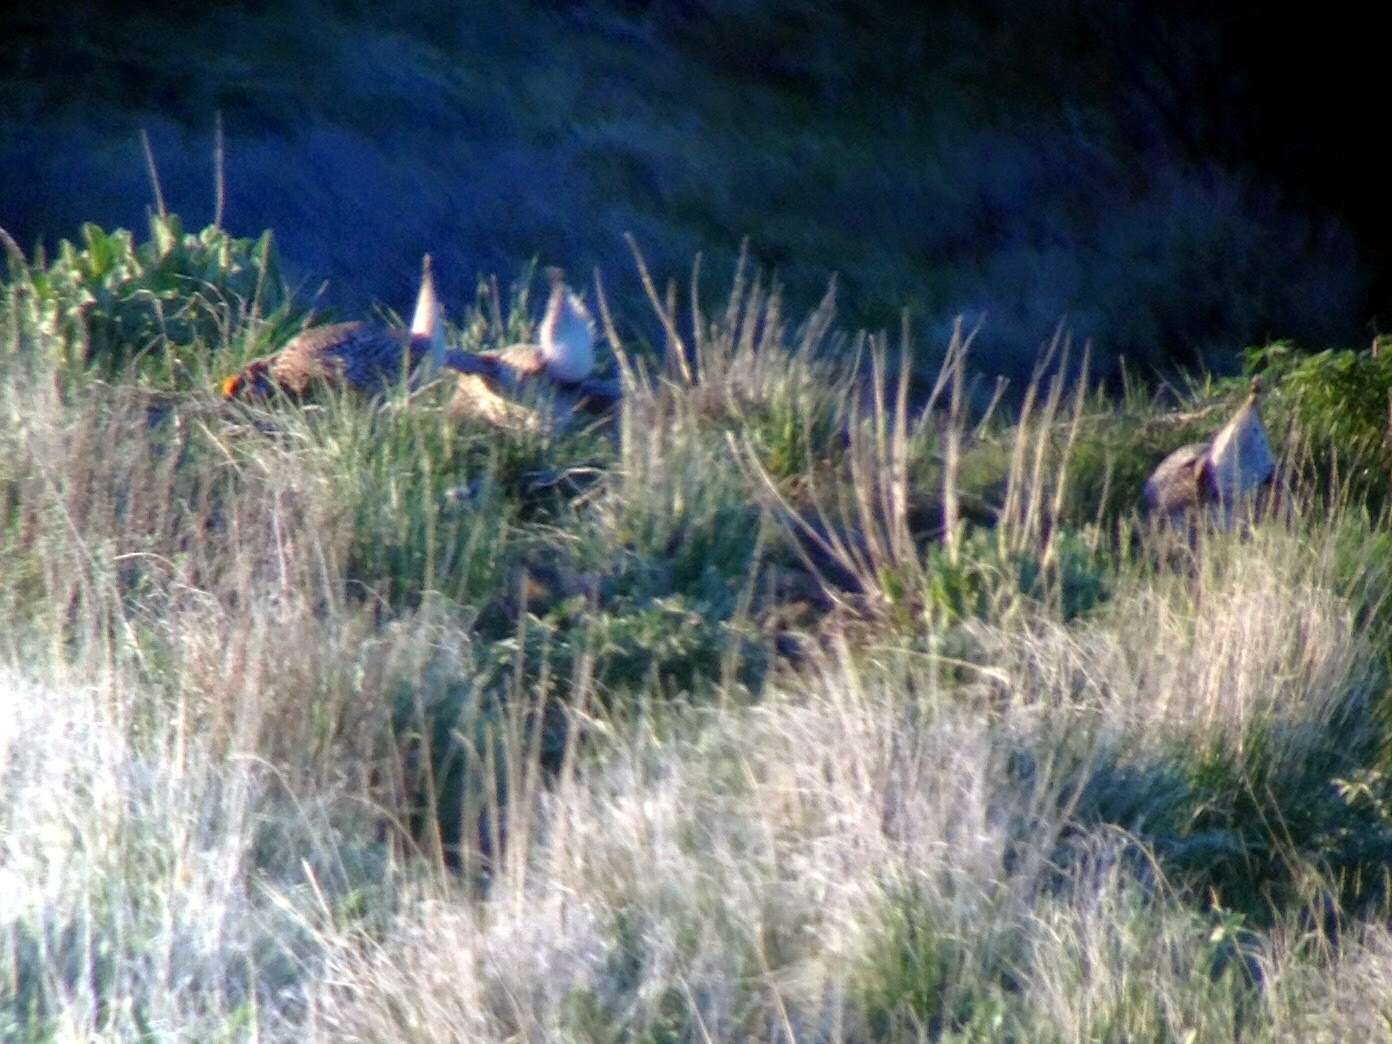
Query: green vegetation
[
  {"x": 114, "y": 304},
  {"x": 1340, "y": 403},
  {"x": 782, "y": 709}
]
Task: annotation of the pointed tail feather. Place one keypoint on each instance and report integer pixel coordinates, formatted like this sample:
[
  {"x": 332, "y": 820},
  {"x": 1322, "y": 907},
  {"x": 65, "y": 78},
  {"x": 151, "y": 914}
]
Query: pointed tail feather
[{"x": 428, "y": 321}]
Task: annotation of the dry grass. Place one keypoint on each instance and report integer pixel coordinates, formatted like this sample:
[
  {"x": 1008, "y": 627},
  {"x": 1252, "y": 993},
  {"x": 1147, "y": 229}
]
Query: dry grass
[{"x": 282, "y": 756}]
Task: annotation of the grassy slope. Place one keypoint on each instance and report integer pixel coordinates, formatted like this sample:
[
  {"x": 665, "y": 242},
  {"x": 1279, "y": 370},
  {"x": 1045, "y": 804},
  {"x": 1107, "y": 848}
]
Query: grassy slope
[{"x": 266, "y": 672}]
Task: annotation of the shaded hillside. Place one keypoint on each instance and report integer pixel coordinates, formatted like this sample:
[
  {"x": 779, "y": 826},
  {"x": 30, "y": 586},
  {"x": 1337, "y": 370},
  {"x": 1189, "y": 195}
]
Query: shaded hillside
[{"x": 1017, "y": 161}]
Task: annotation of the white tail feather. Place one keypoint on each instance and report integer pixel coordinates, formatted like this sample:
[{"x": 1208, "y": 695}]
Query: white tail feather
[
  {"x": 566, "y": 334},
  {"x": 429, "y": 318}
]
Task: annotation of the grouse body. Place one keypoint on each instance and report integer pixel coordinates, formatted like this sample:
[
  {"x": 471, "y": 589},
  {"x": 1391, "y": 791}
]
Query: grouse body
[
  {"x": 363, "y": 356},
  {"x": 1223, "y": 472}
]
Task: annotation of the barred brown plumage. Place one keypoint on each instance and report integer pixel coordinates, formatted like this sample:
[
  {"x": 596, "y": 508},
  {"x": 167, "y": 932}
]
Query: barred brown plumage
[{"x": 363, "y": 356}]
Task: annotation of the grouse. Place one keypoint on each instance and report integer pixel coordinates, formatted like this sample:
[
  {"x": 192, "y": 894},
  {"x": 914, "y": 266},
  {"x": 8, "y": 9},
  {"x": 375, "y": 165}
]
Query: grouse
[{"x": 366, "y": 357}]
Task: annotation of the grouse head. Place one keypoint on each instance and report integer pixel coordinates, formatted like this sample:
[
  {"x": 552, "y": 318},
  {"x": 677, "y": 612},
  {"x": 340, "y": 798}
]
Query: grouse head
[{"x": 254, "y": 382}]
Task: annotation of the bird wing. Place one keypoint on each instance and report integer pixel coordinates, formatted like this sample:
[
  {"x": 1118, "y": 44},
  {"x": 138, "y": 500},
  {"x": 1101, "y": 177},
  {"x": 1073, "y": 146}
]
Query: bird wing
[
  {"x": 304, "y": 359},
  {"x": 364, "y": 356},
  {"x": 1174, "y": 485}
]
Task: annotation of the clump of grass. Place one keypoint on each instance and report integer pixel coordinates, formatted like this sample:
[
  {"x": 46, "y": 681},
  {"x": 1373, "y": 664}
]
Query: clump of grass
[
  {"x": 883, "y": 544},
  {"x": 1228, "y": 704},
  {"x": 142, "y": 868},
  {"x": 718, "y": 878}
]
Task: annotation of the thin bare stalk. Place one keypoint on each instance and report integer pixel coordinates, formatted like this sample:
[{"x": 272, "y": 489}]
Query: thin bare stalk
[
  {"x": 153, "y": 172},
  {"x": 219, "y": 170},
  {"x": 666, "y": 315}
]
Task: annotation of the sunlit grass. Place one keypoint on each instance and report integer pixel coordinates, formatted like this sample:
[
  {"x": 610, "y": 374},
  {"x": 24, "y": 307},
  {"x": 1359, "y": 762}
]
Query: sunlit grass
[{"x": 787, "y": 710}]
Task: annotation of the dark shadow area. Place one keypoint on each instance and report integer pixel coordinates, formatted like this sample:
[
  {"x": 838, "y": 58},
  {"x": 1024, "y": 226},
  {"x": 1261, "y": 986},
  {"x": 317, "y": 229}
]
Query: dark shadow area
[{"x": 1174, "y": 181}]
